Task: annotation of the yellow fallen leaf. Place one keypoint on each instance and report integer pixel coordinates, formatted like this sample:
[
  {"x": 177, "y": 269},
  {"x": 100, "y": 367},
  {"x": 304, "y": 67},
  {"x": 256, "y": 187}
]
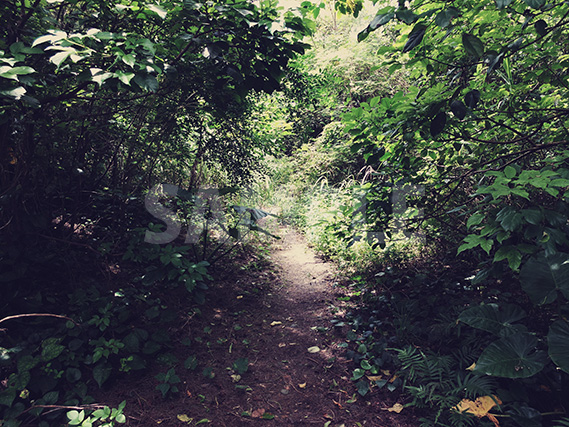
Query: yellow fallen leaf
[
  {"x": 393, "y": 378},
  {"x": 479, "y": 407},
  {"x": 471, "y": 367},
  {"x": 386, "y": 372},
  {"x": 398, "y": 407},
  {"x": 374, "y": 377},
  {"x": 314, "y": 349},
  {"x": 303, "y": 385},
  {"x": 235, "y": 378},
  {"x": 276, "y": 323},
  {"x": 239, "y": 296},
  {"x": 184, "y": 418},
  {"x": 282, "y": 344},
  {"x": 493, "y": 419}
]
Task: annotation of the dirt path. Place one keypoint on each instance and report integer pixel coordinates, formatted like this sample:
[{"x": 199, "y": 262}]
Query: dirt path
[{"x": 271, "y": 318}]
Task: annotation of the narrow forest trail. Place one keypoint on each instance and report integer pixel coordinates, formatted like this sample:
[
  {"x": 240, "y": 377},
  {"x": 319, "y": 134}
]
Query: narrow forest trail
[{"x": 271, "y": 317}]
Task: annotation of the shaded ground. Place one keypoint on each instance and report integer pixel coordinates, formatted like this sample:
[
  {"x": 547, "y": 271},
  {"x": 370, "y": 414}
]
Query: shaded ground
[{"x": 270, "y": 312}]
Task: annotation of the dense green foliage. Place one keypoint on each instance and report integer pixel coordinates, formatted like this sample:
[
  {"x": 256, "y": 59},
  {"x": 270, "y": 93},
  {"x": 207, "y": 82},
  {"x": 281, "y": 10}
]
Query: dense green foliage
[
  {"x": 99, "y": 102},
  {"x": 478, "y": 136},
  {"x": 422, "y": 145}
]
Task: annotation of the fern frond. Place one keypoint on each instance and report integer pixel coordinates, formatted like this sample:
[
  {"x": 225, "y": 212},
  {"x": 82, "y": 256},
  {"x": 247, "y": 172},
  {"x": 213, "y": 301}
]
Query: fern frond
[
  {"x": 563, "y": 422},
  {"x": 473, "y": 385}
]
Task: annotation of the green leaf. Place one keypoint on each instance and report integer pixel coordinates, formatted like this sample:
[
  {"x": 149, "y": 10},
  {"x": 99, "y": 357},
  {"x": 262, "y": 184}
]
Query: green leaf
[
  {"x": 51, "y": 349},
  {"x": 72, "y": 375},
  {"x": 163, "y": 388},
  {"x": 444, "y": 17},
  {"x": 509, "y": 218},
  {"x": 540, "y": 27},
  {"x": 363, "y": 387},
  {"x": 512, "y": 357},
  {"x": 511, "y": 253},
  {"x": 12, "y": 73},
  {"x": 473, "y": 240},
  {"x": 191, "y": 363},
  {"x": 494, "y": 318},
  {"x": 486, "y": 245},
  {"x": 535, "y": 4},
  {"x": 415, "y": 37},
  {"x": 16, "y": 93},
  {"x": 358, "y": 373},
  {"x": 379, "y": 20},
  {"x": 101, "y": 373},
  {"x": 7, "y": 396},
  {"x": 473, "y": 45},
  {"x": 558, "y": 340},
  {"x": 59, "y": 57},
  {"x": 124, "y": 77},
  {"x": 241, "y": 365},
  {"x": 438, "y": 123},
  {"x": 542, "y": 277},
  {"x": 532, "y": 215},
  {"x": 406, "y": 15},
  {"x": 510, "y": 172},
  {"x": 147, "y": 82},
  {"x": 500, "y": 4},
  {"x": 75, "y": 417},
  {"x": 475, "y": 219},
  {"x": 472, "y": 98},
  {"x": 560, "y": 182},
  {"x": 458, "y": 109},
  {"x": 129, "y": 60},
  {"x": 27, "y": 363},
  {"x": 157, "y": 10}
]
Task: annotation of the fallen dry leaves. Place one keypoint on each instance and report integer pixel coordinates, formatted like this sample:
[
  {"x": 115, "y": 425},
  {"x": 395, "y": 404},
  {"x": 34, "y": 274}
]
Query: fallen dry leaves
[{"x": 480, "y": 407}]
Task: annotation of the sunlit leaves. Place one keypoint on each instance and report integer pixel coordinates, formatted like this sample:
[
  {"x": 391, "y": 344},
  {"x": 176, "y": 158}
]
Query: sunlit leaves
[{"x": 13, "y": 73}]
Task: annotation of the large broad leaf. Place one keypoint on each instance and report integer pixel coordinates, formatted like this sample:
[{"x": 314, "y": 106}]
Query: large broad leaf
[
  {"x": 380, "y": 20},
  {"x": 444, "y": 17},
  {"x": 438, "y": 123},
  {"x": 535, "y": 4},
  {"x": 512, "y": 357},
  {"x": 458, "y": 109},
  {"x": 415, "y": 37},
  {"x": 406, "y": 15},
  {"x": 471, "y": 98},
  {"x": 473, "y": 45},
  {"x": 542, "y": 277},
  {"x": 558, "y": 340},
  {"x": 502, "y": 3},
  {"x": 493, "y": 318},
  {"x": 101, "y": 373}
]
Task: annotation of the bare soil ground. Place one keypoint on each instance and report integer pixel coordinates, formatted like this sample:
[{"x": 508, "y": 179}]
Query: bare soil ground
[{"x": 270, "y": 311}]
